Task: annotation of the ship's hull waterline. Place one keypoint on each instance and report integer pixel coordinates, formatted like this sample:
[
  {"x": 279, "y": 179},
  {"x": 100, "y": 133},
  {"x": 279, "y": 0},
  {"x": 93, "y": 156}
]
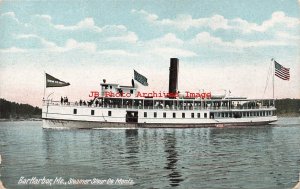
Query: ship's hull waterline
[{"x": 74, "y": 124}]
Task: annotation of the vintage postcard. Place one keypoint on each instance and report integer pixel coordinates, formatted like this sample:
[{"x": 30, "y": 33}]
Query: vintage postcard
[{"x": 149, "y": 94}]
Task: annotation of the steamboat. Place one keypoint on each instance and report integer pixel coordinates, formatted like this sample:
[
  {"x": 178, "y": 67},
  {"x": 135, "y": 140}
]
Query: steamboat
[{"x": 172, "y": 110}]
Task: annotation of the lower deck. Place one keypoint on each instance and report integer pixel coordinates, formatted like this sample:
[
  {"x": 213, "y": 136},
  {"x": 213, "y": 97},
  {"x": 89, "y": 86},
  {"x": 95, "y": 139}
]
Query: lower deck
[{"x": 54, "y": 123}]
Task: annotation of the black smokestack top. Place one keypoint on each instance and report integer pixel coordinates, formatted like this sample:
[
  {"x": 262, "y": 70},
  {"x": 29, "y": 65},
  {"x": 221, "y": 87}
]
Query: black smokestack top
[{"x": 173, "y": 77}]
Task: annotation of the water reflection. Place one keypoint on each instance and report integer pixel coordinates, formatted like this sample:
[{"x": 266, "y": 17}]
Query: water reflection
[
  {"x": 240, "y": 135},
  {"x": 132, "y": 147},
  {"x": 175, "y": 176},
  {"x": 56, "y": 144},
  {"x": 132, "y": 144}
]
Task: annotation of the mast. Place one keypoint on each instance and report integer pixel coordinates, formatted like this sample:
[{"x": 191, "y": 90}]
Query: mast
[
  {"x": 44, "y": 85},
  {"x": 273, "y": 73}
]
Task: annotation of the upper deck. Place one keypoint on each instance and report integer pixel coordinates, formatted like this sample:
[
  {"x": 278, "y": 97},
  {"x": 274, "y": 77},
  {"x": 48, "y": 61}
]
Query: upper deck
[{"x": 172, "y": 104}]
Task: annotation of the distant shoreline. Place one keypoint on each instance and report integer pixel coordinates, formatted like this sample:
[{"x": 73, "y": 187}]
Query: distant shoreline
[
  {"x": 288, "y": 115},
  {"x": 21, "y": 119},
  {"x": 12, "y": 111}
]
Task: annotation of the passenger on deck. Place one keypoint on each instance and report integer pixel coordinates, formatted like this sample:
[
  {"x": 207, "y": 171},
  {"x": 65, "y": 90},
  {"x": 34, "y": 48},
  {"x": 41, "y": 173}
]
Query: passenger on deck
[
  {"x": 80, "y": 102},
  {"x": 61, "y": 100},
  {"x": 90, "y": 103},
  {"x": 161, "y": 106}
]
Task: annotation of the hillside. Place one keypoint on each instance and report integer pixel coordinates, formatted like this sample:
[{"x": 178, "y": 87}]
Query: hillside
[
  {"x": 288, "y": 107},
  {"x": 12, "y": 110}
]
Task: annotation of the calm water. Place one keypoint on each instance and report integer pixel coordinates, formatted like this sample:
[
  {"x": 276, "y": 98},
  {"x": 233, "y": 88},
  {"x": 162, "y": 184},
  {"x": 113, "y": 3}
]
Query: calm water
[{"x": 250, "y": 157}]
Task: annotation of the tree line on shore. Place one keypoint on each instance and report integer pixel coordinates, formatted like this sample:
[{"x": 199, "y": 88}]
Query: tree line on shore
[
  {"x": 286, "y": 107},
  {"x": 13, "y": 110}
]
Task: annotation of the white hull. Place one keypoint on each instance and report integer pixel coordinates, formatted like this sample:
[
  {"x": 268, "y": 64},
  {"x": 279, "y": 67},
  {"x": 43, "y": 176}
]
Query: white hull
[
  {"x": 64, "y": 117},
  {"x": 71, "y": 124}
]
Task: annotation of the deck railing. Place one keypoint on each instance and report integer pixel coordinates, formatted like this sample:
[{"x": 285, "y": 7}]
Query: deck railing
[{"x": 158, "y": 107}]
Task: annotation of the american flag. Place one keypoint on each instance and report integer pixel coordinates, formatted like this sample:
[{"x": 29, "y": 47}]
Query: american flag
[{"x": 282, "y": 72}]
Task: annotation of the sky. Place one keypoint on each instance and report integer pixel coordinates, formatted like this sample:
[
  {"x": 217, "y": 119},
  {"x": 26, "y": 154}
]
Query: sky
[{"x": 221, "y": 46}]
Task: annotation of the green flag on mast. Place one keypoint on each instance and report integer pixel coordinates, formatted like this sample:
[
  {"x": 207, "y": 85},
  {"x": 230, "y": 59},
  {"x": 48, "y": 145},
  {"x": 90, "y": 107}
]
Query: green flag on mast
[{"x": 54, "y": 82}]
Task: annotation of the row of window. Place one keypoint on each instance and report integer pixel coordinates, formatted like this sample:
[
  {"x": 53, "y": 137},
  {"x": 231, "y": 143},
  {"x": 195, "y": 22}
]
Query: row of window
[
  {"x": 154, "y": 114},
  {"x": 92, "y": 112},
  {"x": 244, "y": 114},
  {"x": 198, "y": 115},
  {"x": 174, "y": 115}
]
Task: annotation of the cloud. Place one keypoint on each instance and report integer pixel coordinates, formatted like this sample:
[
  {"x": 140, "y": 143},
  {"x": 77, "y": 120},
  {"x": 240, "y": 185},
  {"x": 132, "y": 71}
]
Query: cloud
[
  {"x": 42, "y": 41},
  {"x": 10, "y": 15},
  {"x": 150, "y": 17},
  {"x": 206, "y": 38},
  {"x": 72, "y": 44},
  {"x": 168, "y": 45},
  {"x": 216, "y": 22},
  {"x": 12, "y": 50},
  {"x": 185, "y": 22},
  {"x": 168, "y": 39},
  {"x": 84, "y": 25},
  {"x": 130, "y": 37},
  {"x": 116, "y": 53},
  {"x": 42, "y": 33},
  {"x": 277, "y": 19},
  {"x": 172, "y": 52},
  {"x": 85, "y": 28},
  {"x": 287, "y": 36},
  {"x": 87, "y": 23}
]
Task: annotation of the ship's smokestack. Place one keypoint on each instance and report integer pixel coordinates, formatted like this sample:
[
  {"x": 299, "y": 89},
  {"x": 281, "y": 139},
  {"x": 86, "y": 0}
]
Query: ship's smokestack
[{"x": 173, "y": 77}]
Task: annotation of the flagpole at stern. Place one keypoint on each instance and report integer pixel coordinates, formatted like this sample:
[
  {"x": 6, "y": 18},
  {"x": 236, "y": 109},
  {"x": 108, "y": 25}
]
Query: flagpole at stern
[{"x": 273, "y": 62}]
